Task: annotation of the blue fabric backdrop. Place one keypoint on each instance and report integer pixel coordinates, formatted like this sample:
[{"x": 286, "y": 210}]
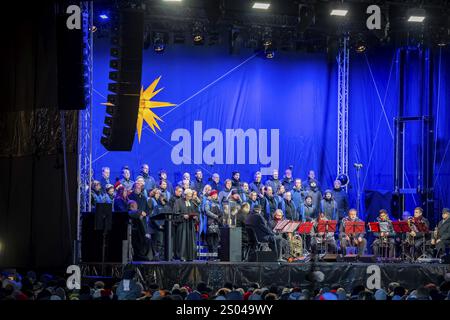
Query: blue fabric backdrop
[{"x": 295, "y": 93}]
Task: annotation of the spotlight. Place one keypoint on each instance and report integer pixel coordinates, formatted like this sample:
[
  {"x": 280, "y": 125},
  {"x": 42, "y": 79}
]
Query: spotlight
[
  {"x": 260, "y": 5},
  {"x": 361, "y": 46},
  {"x": 158, "y": 43},
  {"x": 269, "y": 53},
  {"x": 104, "y": 16},
  {"x": 339, "y": 12},
  {"x": 416, "y": 15},
  {"x": 197, "y": 33}
]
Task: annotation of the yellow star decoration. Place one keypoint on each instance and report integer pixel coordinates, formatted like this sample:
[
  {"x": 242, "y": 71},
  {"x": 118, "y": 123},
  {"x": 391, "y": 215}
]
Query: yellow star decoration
[{"x": 146, "y": 105}]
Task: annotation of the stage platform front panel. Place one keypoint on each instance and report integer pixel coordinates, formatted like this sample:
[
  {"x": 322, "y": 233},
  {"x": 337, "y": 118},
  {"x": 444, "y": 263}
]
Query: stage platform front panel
[{"x": 348, "y": 275}]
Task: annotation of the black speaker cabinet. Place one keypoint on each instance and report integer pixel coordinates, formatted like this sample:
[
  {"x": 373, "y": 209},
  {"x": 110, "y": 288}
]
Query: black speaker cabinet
[
  {"x": 230, "y": 244},
  {"x": 262, "y": 256}
]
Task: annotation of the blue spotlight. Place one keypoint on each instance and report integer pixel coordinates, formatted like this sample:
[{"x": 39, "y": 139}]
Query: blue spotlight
[{"x": 104, "y": 16}]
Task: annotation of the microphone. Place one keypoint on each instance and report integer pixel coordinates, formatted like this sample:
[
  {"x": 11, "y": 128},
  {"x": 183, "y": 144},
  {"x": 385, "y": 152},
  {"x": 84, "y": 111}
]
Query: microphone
[{"x": 358, "y": 165}]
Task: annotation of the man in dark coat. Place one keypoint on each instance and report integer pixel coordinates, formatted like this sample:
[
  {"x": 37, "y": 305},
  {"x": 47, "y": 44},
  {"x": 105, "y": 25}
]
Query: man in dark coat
[
  {"x": 255, "y": 186},
  {"x": 163, "y": 177},
  {"x": 308, "y": 211},
  {"x": 214, "y": 214},
  {"x": 341, "y": 198},
  {"x": 288, "y": 207},
  {"x": 140, "y": 198},
  {"x": 140, "y": 234},
  {"x": 288, "y": 181},
  {"x": 315, "y": 193},
  {"x": 441, "y": 239},
  {"x": 215, "y": 182},
  {"x": 348, "y": 240},
  {"x": 236, "y": 180},
  {"x": 105, "y": 179},
  {"x": 263, "y": 233},
  {"x": 273, "y": 181},
  {"x": 328, "y": 206},
  {"x": 185, "y": 246},
  {"x": 198, "y": 184},
  {"x": 149, "y": 181}
]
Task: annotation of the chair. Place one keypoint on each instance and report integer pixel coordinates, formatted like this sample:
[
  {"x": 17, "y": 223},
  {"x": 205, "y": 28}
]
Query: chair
[{"x": 253, "y": 243}]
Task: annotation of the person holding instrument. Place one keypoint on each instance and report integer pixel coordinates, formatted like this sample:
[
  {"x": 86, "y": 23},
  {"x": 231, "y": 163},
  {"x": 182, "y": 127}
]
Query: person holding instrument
[
  {"x": 419, "y": 226},
  {"x": 386, "y": 236},
  {"x": 441, "y": 236},
  {"x": 322, "y": 238},
  {"x": 348, "y": 240}
]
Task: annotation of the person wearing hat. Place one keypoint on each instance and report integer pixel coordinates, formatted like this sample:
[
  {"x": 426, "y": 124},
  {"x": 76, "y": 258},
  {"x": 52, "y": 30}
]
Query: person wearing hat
[
  {"x": 129, "y": 288},
  {"x": 213, "y": 212},
  {"x": 109, "y": 193},
  {"x": 329, "y": 206},
  {"x": 441, "y": 236}
]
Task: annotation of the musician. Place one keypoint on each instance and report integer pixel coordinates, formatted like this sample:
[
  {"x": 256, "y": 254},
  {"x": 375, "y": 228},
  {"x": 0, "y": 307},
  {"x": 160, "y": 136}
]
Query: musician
[
  {"x": 347, "y": 240},
  {"x": 264, "y": 233},
  {"x": 277, "y": 217},
  {"x": 140, "y": 233},
  {"x": 386, "y": 236},
  {"x": 418, "y": 225},
  {"x": 441, "y": 236},
  {"x": 185, "y": 247},
  {"x": 213, "y": 212},
  {"x": 319, "y": 238}
]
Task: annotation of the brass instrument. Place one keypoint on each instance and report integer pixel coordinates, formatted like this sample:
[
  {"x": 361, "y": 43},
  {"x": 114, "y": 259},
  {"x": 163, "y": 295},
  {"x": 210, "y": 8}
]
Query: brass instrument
[
  {"x": 296, "y": 245},
  {"x": 410, "y": 239}
]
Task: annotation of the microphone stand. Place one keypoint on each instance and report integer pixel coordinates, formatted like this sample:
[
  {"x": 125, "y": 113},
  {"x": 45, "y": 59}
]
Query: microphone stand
[{"x": 358, "y": 190}]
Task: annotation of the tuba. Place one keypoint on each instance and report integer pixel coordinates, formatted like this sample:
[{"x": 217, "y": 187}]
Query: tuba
[{"x": 296, "y": 246}]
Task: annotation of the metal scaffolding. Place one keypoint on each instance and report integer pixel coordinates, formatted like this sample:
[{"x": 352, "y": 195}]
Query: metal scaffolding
[
  {"x": 343, "y": 59},
  {"x": 85, "y": 123}
]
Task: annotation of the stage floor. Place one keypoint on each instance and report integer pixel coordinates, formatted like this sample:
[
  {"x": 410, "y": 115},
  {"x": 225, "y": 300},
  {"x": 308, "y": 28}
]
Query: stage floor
[{"x": 215, "y": 274}]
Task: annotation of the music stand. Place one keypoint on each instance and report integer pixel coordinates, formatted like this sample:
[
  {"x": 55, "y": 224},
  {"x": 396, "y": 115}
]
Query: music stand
[
  {"x": 402, "y": 227},
  {"x": 304, "y": 229},
  {"x": 166, "y": 214},
  {"x": 280, "y": 226},
  {"x": 103, "y": 222},
  {"x": 290, "y": 227},
  {"x": 422, "y": 227},
  {"x": 354, "y": 227},
  {"x": 325, "y": 227}
]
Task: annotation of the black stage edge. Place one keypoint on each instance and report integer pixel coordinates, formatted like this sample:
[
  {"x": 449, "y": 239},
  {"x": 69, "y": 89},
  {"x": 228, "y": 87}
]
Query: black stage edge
[{"x": 215, "y": 274}]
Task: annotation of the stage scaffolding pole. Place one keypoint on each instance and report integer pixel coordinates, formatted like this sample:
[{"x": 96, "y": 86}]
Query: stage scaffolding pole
[
  {"x": 343, "y": 60},
  {"x": 85, "y": 126}
]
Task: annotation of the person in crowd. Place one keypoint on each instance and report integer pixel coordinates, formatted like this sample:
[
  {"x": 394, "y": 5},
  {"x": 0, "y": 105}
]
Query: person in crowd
[
  {"x": 215, "y": 182},
  {"x": 264, "y": 233},
  {"x": 141, "y": 181},
  {"x": 177, "y": 195},
  {"x": 298, "y": 193},
  {"x": 105, "y": 179},
  {"x": 163, "y": 177},
  {"x": 288, "y": 181},
  {"x": 277, "y": 217},
  {"x": 312, "y": 177},
  {"x": 121, "y": 199},
  {"x": 236, "y": 180},
  {"x": 224, "y": 194},
  {"x": 138, "y": 196},
  {"x": 205, "y": 191},
  {"x": 441, "y": 236},
  {"x": 256, "y": 184},
  {"x": 241, "y": 217},
  {"x": 186, "y": 176},
  {"x": 253, "y": 200},
  {"x": 186, "y": 184},
  {"x": 385, "y": 239},
  {"x": 324, "y": 240},
  {"x": 271, "y": 203},
  {"x": 109, "y": 188},
  {"x": 213, "y": 212},
  {"x": 149, "y": 181},
  {"x": 185, "y": 246},
  {"x": 97, "y": 195},
  {"x": 315, "y": 193},
  {"x": 348, "y": 240},
  {"x": 419, "y": 226},
  {"x": 126, "y": 178},
  {"x": 273, "y": 181},
  {"x": 157, "y": 203},
  {"x": 308, "y": 211},
  {"x": 196, "y": 200},
  {"x": 341, "y": 198},
  {"x": 198, "y": 183},
  {"x": 280, "y": 193},
  {"x": 129, "y": 288},
  {"x": 329, "y": 206},
  {"x": 288, "y": 207},
  {"x": 244, "y": 192},
  {"x": 163, "y": 187},
  {"x": 140, "y": 233}
]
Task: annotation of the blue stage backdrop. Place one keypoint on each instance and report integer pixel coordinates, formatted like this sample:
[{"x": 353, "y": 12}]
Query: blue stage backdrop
[{"x": 247, "y": 113}]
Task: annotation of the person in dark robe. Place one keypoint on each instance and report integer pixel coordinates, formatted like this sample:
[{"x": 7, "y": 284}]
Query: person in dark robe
[
  {"x": 341, "y": 198},
  {"x": 236, "y": 180},
  {"x": 215, "y": 182},
  {"x": 288, "y": 207},
  {"x": 198, "y": 183},
  {"x": 213, "y": 213},
  {"x": 140, "y": 234},
  {"x": 120, "y": 203},
  {"x": 270, "y": 202},
  {"x": 185, "y": 240},
  {"x": 240, "y": 223},
  {"x": 441, "y": 236},
  {"x": 149, "y": 181},
  {"x": 315, "y": 193},
  {"x": 255, "y": 186},
  {"x": 105, "y": 179},
  {"x": 328, "y": 206},
  {"x": 273, "y": 181},
  {"x": 288, "y": 181},
  {"x": 138, "y": 196},
  {"x": 158, "y": 203}
]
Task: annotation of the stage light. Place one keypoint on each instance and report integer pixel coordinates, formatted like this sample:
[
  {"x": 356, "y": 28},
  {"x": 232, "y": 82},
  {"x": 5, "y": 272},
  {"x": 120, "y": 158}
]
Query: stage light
[
  {"x": 269, "y": 53},
  {"x": 104, "y": 16},
  {"x": 416, "y": 15},
  {"x": 198, "y": 33},
  {"x": 158, "y": 43},
  {"x": 260, "y": 5},
  {"x": 339, "y": 12},
  {"x": 361, "y": 46}
]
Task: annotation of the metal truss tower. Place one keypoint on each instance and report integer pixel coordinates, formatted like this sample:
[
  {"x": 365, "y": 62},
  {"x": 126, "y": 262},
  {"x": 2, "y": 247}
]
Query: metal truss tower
[
  {"x": 85, "y": 122},
  {"x": 343, "y": 59}
]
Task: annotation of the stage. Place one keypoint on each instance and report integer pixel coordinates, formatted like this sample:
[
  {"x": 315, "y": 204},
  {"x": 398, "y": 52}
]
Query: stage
[{"x": 215, "y": 274}]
